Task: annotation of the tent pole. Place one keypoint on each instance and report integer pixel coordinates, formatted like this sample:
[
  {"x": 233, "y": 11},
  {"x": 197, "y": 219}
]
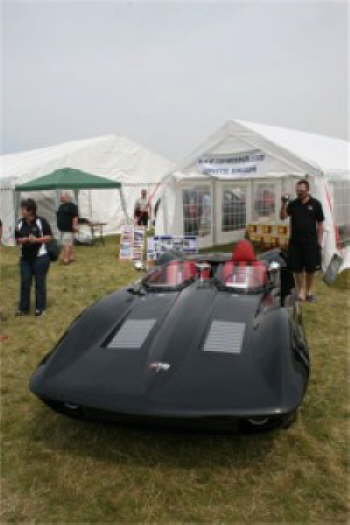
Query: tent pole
[
  {"x": 214, "y": 236},
  {"x": 16, "y": 201},
  {"x": 57, "y": 199},
  {"x": 16, "y": 204},
  {"x": 57, "y": 202},
  {"x": 123, "y": 205},
  {"x": 90, "y": 204}
]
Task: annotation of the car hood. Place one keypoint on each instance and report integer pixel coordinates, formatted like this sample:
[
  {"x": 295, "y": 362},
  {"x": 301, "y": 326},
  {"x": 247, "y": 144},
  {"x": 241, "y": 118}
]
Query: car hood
[{"x": 197, "y": 351}]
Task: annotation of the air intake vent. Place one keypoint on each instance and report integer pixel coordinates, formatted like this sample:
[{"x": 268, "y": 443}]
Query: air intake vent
[
  {"x": 132, "y": 334},
  {"x": 225, "y": 336}
]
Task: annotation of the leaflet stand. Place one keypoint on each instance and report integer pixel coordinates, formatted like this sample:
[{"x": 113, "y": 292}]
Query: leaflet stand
[{"x": 132, "y": 242}]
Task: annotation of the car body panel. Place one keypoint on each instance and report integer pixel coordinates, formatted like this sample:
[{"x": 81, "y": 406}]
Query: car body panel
[{"x": 172, "y": 364}]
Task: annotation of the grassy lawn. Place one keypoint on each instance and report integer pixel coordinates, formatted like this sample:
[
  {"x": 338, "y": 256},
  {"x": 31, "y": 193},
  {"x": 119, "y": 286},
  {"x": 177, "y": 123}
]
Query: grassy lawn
[{"x": 57, "y": 470}]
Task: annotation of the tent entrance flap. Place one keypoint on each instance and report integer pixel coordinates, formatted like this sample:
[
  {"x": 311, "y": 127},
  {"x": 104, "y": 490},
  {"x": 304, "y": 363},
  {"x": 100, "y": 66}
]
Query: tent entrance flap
[
  {"x": 233, "y": 206},
  {"x": 196, "y": 211}
]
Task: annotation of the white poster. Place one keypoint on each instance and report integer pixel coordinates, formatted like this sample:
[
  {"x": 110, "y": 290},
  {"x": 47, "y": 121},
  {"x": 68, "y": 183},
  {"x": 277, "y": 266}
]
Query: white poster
[
  {"x": 159, "y": 244},
  {"x": 132, "y": 241}
]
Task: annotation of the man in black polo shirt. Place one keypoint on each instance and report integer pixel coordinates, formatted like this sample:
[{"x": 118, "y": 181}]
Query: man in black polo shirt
[
  {"x": 304, "y": 248},
  {"x": 67, "y": 223}
]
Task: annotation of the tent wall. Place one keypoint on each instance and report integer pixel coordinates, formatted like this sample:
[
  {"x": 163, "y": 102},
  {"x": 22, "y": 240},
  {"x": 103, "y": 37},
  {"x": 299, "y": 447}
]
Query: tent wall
[
  {"x": 97, "y": 205},
  {"x": 7, "y": 215},
  {"x": 173, "y": 219},
  {"x": 111, "y": 156},
  {"x": 175, "y": 214},
  {"x": 246, "y": 188},
  {"x": 340, "y": 192}
]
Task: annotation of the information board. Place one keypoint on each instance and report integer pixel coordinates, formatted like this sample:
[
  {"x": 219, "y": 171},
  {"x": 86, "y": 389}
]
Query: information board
[
  {"x": 132, "y": 242},
  {"x": 159, "y": 244}
]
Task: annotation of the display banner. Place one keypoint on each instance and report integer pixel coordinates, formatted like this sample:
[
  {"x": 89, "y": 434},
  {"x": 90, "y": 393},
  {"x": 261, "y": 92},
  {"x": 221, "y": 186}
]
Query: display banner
[
  {"x": 244, "y": 162},
  {"x": 159, "y": 244}
]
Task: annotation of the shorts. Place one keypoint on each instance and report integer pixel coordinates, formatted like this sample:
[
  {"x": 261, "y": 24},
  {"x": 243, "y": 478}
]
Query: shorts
[
  {"x": 142, "y": 220},
  {"x": 67, "y": 238},
  {"x": 304, "y": 256}
]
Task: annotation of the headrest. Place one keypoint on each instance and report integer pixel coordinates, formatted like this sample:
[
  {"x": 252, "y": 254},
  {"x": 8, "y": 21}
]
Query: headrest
[{"x": 243, "y": 251}]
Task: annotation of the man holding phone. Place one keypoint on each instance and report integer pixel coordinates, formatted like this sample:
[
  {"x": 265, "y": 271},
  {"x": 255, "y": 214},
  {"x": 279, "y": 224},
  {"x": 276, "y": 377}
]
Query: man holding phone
[{"x": 306, "y": 235}]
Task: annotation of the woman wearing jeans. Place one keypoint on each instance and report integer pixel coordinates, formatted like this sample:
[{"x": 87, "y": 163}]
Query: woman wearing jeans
[{"x": 32, "y": 234}]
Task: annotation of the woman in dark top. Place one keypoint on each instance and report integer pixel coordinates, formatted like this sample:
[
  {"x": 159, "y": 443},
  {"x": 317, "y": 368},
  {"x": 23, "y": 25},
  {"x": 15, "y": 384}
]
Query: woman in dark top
[{"x": 32, "y": 234}]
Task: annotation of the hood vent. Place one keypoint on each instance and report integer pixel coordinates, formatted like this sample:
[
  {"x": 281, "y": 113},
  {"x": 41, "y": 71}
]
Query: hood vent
[
  {"x": 132, "y": 334},
  {"x": 225, "y": 336}
]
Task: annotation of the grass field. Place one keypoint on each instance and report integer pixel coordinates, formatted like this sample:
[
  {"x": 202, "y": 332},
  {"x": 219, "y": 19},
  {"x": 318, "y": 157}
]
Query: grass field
[{"x": 57, "y": 470}]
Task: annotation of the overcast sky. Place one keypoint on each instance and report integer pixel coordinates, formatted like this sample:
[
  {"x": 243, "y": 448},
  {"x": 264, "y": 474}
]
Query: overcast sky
[{"x": 168, "y": 74}]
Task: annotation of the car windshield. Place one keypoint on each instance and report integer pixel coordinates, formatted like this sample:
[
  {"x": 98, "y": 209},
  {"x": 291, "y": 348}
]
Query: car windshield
[
  {"x": 171, "y": 275},
  {"x": 242, "y": 276}
]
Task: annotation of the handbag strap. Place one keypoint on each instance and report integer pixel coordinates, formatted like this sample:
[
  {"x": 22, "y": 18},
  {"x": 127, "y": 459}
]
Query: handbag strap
[{"x": 39, "y": 225}]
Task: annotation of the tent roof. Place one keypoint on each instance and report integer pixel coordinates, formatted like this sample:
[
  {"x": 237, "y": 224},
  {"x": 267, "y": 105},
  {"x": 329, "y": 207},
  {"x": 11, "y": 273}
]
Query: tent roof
[
  {"x": 67, "y": 178},
  {"x": 112, "y": 156},
  {"x": 308, "y": 151},
  {"x": 328, "y": 153}
]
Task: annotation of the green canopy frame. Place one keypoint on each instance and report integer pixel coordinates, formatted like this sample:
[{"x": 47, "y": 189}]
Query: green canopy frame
[
  {"x": 71, "y": 179},
  {"x": 68, "y": 179}
]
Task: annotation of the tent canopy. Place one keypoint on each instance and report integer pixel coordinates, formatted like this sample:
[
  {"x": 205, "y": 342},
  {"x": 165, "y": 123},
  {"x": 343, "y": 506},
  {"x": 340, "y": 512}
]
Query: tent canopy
[
  {"x": 67, "y": 179},
  {"x": 238, "y": 174},
  {"x": 293, "y": 151},
  {"x": 116, "y": 157}
]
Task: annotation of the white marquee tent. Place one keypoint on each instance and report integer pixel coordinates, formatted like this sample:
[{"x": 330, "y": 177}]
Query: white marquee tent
[
  {"x": 112, "y": 156},
  {"x": 237, "y": 176}
]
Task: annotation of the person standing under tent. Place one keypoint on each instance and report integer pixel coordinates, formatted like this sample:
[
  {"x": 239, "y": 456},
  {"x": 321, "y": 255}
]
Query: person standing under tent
[
  {"x": 32, "y": 234},
  {"x": 142, "y": 209},
  {"x": 306, "y": 235},
  {"x": 67, "y": 224}
]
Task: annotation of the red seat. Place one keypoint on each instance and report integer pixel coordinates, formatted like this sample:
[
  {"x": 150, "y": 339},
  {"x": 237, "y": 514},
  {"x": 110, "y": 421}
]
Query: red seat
[
  {"x": 227, "y": 271},
  {"x": 179, "y": 271},
  {"x": 243, "y": 251},
  {"x": 189, "y": 270},
  {"x": 173, "y": 270},
  {"x": 243, "y": 257}
]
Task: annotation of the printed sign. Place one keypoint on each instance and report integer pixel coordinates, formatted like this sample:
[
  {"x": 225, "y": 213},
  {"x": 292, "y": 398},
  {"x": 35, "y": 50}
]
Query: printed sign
[
  {"x": 159, "y": 244},
  {"x": 244, "y": 162}
]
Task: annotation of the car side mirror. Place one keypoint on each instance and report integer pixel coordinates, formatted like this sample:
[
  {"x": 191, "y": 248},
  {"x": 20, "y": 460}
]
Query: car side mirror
[{"x": 274, "y": 266}]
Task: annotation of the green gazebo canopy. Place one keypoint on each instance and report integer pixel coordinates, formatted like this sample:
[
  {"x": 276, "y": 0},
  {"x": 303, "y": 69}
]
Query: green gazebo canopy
[{"x": 68, "y": 179}]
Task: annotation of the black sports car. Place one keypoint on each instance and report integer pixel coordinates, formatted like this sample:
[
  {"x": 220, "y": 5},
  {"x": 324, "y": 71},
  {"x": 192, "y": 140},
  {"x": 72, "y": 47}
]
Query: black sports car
[{"x": 213, "y": 340}]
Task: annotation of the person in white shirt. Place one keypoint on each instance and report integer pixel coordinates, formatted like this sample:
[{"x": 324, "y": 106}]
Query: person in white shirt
[{"x": 141, "y": 209}]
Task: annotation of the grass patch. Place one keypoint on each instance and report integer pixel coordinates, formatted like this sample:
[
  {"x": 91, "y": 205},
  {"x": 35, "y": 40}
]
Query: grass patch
[{"x": 56, "y": 470}]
